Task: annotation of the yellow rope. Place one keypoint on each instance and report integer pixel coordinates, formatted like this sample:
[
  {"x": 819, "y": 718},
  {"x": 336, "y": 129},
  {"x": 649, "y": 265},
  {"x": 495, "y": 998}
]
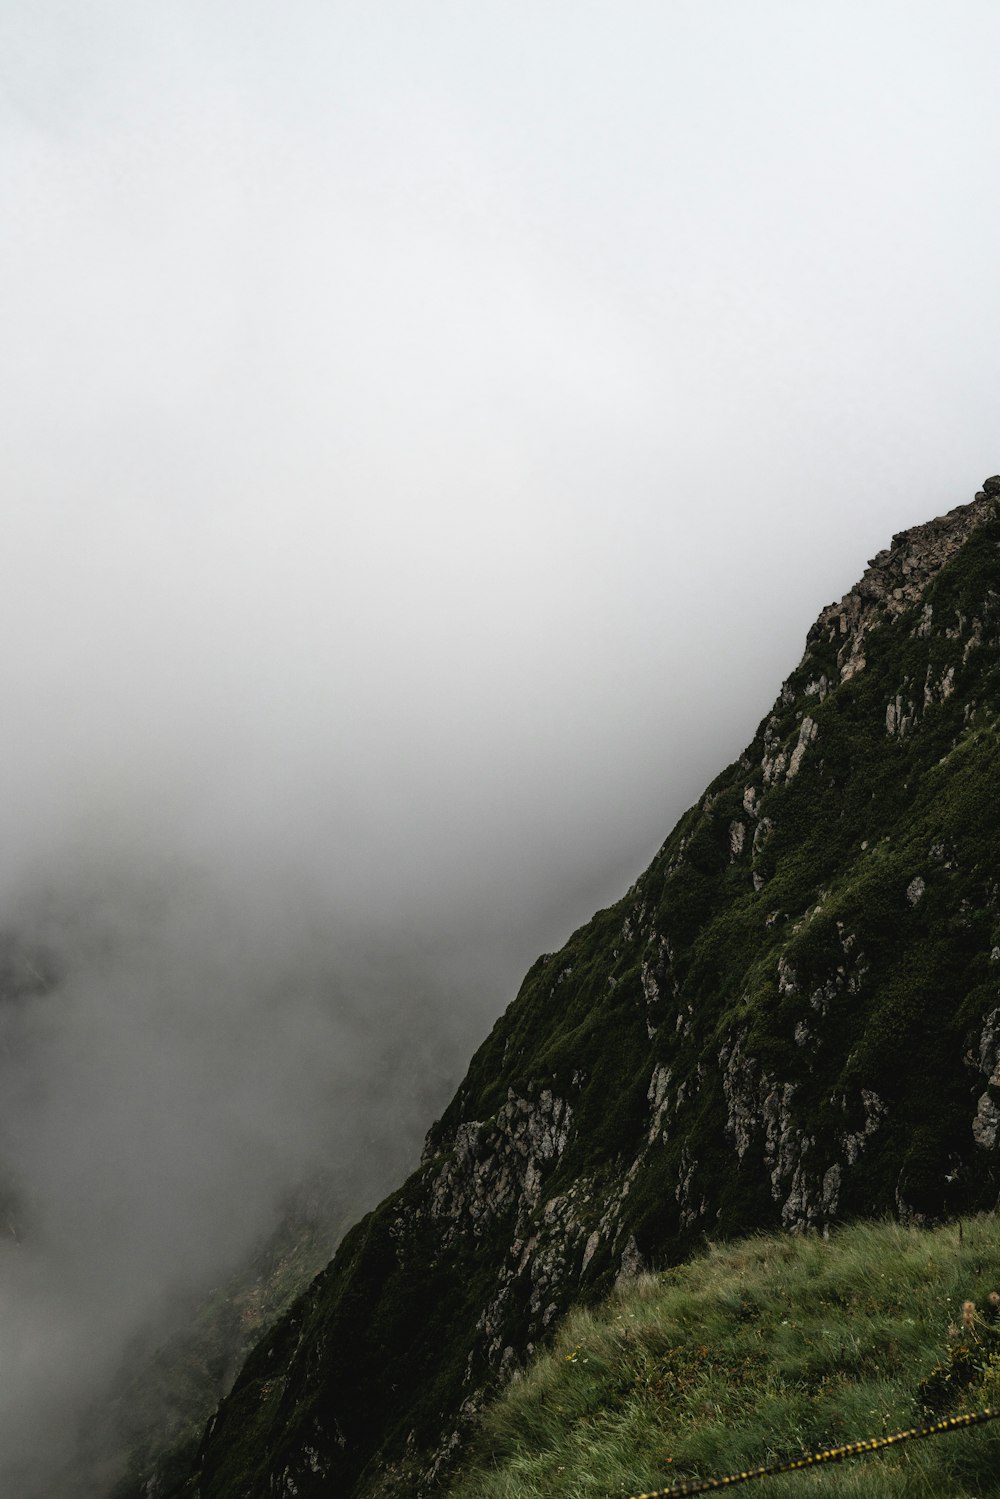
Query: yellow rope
[{"x": 828, "y": 1455}]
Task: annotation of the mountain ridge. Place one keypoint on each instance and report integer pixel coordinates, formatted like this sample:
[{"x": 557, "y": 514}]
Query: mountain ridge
[{"x": 720, "y": 1050}]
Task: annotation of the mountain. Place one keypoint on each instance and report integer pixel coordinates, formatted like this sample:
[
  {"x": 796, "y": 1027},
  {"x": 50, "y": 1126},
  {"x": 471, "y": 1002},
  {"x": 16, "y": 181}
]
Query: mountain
[{"x": 792, "y": 1018}]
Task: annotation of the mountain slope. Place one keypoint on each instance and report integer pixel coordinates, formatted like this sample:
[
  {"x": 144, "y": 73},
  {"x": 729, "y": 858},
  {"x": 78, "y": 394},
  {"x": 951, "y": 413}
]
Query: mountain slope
[{"x": 791, "y": 1018}]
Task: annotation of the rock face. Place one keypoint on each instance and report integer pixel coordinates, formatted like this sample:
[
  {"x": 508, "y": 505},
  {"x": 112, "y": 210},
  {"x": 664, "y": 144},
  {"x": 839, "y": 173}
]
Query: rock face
[
  {"x": 896, "y": 579},
  {"x": 792, "y": 1017}
]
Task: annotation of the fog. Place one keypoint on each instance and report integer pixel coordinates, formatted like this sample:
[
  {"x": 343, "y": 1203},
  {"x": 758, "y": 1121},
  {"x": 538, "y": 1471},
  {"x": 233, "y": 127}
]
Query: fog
[{"x": 429, "y": 431}]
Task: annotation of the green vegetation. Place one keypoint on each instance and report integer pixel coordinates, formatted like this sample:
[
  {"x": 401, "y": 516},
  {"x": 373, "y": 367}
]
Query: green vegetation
[{"x": 759, "y": 1351}]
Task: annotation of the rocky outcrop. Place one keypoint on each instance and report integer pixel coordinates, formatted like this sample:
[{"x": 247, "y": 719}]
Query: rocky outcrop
[
  {"x": 897, "y": 578},
  {"x": 493, "y": 1168},
  {"x": 986, "y": 1124}
]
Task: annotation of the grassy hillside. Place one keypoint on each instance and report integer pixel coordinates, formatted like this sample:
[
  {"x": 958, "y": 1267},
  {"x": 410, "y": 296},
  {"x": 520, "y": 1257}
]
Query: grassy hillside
[{"x": 755, "y": 1351}]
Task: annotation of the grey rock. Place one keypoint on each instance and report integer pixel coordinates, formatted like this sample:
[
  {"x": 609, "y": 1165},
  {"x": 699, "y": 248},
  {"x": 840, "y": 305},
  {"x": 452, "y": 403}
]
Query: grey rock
[
  {"x": 632, "y": 1262},
  {"x": 986, "y": 1123}
]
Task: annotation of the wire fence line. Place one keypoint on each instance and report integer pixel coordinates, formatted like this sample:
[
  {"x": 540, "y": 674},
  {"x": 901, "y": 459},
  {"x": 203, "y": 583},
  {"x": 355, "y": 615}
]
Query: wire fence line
[{"x": 825, "y": 1455}]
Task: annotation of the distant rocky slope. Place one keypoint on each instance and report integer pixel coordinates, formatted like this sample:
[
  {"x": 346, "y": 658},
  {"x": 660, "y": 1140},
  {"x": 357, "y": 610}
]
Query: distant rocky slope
[{"x": 793, "y": 1017}]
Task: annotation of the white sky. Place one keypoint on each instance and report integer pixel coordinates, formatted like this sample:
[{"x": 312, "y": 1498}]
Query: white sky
[
  {"x": 429, "y": 431},
  {"x": 432, "y": 425}
]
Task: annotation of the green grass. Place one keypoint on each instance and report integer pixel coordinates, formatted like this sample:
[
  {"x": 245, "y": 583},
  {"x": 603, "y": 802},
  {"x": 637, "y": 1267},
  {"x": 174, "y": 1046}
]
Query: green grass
[{"x": 758, "y": 1351}]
